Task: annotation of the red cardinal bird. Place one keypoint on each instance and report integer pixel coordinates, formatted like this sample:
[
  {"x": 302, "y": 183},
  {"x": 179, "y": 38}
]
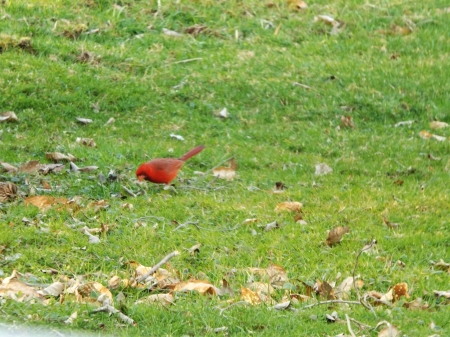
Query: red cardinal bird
[{"x": 164, "y": 170}]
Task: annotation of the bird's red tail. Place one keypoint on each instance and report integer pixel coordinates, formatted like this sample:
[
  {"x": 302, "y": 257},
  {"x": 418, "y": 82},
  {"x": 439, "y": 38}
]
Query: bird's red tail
[{"x": 192, "y": 153}]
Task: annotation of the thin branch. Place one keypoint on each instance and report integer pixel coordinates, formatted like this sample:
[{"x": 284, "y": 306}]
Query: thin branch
[
  {"x": 159, "y": 264},
  {"x": 110, "y": 309},
  {"x": 184, "y": 61},
  {"x": 364, "y": 303},
  {"x": 195, "y": 223},
  {"x": 349, "y": 326},
  {"x": 232, "y": 305},
  {"x": 330, "y": 302}
]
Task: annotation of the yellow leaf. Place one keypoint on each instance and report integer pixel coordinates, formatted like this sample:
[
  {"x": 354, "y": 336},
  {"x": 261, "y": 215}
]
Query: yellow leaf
[
  {"x": 290, "y": 206},
  {"x": 250, "y": 296}
]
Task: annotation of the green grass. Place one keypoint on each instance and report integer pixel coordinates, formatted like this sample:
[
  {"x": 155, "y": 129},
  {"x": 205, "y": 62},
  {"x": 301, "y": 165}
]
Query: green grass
[{"x": 277, "y": 132}]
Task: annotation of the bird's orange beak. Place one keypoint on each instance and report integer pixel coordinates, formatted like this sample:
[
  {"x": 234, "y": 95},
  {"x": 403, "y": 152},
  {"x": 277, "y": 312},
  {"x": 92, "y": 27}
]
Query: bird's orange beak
[{"x": 141, "y": 177}]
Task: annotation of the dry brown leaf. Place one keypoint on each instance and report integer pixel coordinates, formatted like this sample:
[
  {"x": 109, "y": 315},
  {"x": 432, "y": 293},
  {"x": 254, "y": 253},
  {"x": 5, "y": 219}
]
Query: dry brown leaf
[
  {"x": 8, "y": 116},
  {"x": 250, "y": 296},
  {"x": 90, "y": 292},
  {"x": 164, "y": 299},
  {"x": 445, "y": 294},
  {"x": 227, "y": 173},
  {"x": 438, "y": 125},
  {"x": 86, "y": 142},
  {"x": 98, "y": 205},
  {"x": 45, "y": 202},
  {"x": 297, "y": 4},
  {"x": 50, "y": 168},
  {"x": 441, "y": 265},
  {"x": 291, "y": 206},
  {"x": 399, "y": 290},
  {"x": 84, "y": 121},
  {"x": 417, "y": 304},
  {"x": 32, "y": 166},
  {"x": 335, "y": 235},
  {"x": 389, "y": 224},
  {"x": 425, "y": 134},
  {"x": 114, "y": 282},
  {"x": 389, "y": 331},
  {"x": 8, "y": 167},
  {"x": 203, "y": 287},
  {"x": 195, "y": 29},
  {"x": 271, "y": 225},
  {"x": 12, "y": 288},
  {"x": 347, "y": 122},
  {"x": 75, "y": 168},
  {"x": 324, "y": 290},
  {"x": 8, "y": 191},
  {"x": 323, "y": 169},
  {"x": 57, "y": 156},
  {"x": 55, "y": 289},
  {"x": 275, "y": 274}
]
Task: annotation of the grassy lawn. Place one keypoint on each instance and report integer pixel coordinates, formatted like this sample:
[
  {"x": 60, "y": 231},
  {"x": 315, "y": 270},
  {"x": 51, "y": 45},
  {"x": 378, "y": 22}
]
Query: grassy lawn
[{"x": 288, "y": 78}]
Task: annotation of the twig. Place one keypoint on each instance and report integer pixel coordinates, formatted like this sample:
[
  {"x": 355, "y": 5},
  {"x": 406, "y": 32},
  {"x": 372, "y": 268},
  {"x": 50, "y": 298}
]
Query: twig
[
  {"x": 231, "y": 305},
  {"x": 349, "y": 326},
  {"x": 195, "y": 223},
  {"x": 364, "y": 303},
  {"x": 110, "y": 309},
  {"x": 330, "y": 302},
  {"x": 185, "y": 61},
  {"x": 159, "y": 264},
  {"x": 361, "y": 325},
  {"x": 302, "y": 85},
  {"x": 130, "y": 192}
]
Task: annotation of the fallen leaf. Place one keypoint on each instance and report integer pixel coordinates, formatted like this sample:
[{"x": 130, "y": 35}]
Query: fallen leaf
[
  {"x": 250, "y": 296},
  {"x": 86, "y": 141},
  {"x": 90, "y": 292},
  {"x": 290, "y": 206},
  {"x": 8, "y": 116},
  {"x": 172, "y": 33},
  {"x": 84, "y": 121},
  {"x": 390, "y": 224},
  {"x": 445, "y": 294},
  {"x": 203, "y": 287},
  {"x": 438, "y": 125},
  {"x": 75, "y": 168},
  {"x": 164, "y": 299},
  {"x": 223, "y": 113},
  {"x": 45, "y": 202},
  {"x": 8, "y": 167},
  {"x": 335, "y": 235},
  {"x": 50, "y": 168},
  {"x": 275, "y": 274},
  {"x": 71, "y": 318},
  {"x": 249, "y": 221},
  {"x": 399, "y": 290},
  {"x": 30, "y": 167},
  {"x": 407, "y": 123},
  {"x": 298, "y": 218},
  {"x": 14, "y": 289},
  {"x": 8, "y": 191},
  {"x": 271, "y": 225},
  {"x": 92, "y": 238},
  {"x": 110, "y": 121},
  {"x": 181, "y": 138},
  {"x": 441, "y": 265},
  {"x": 282, "y": 306},
  {"x": 323, "y": 169},
  {"x": 347, "y": 122},
  {"x": 389, "y": 331},
  {"x": 55, "y": 289},
  {"x": 57, "y": 156},
  {"x": 417, "y": 304},
  {"x": 227, "y": 173},
  {"x": 324, "y": 290},
  {"x": 195, "y": 29}
]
